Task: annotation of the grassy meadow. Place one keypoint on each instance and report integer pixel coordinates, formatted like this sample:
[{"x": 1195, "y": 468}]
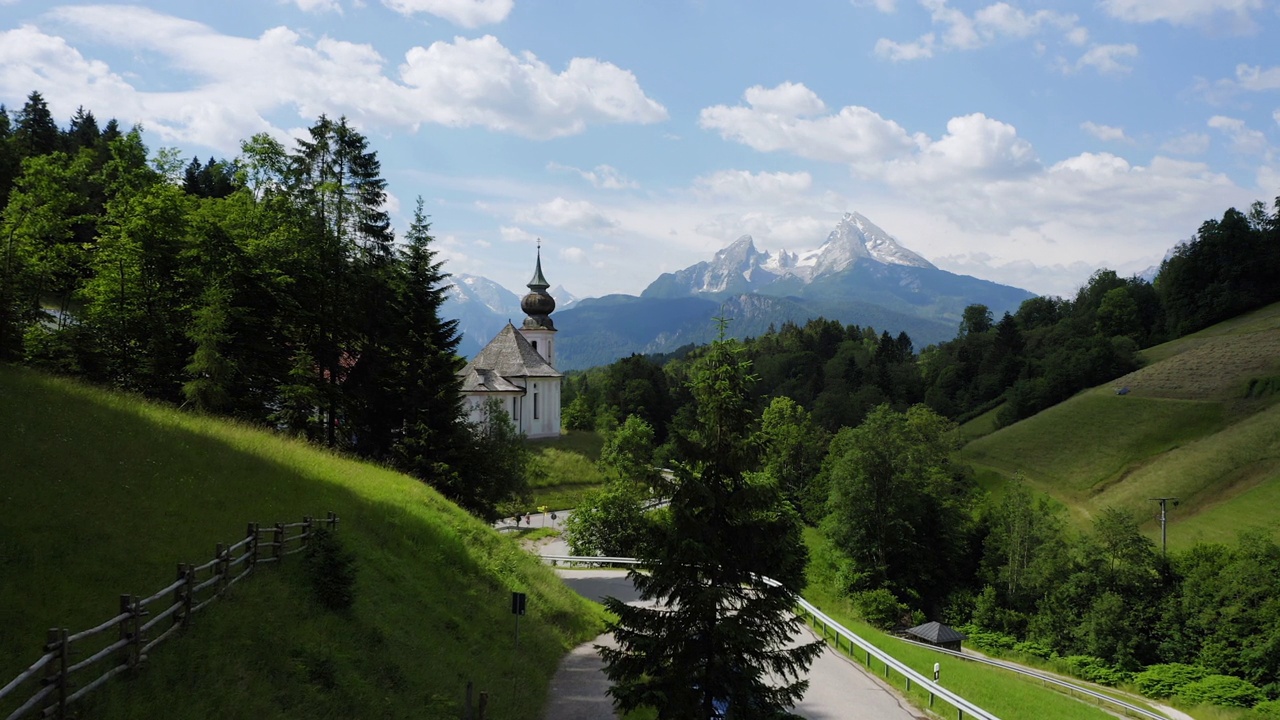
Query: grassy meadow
[
  {"x": 1201, "y": 422},
  {"x": 565, "y": 469},
  {"x": 103, "y": 494}
]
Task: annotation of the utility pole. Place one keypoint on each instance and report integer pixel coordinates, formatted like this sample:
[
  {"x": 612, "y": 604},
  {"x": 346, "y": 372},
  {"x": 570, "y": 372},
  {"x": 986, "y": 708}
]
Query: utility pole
[{"x": 1164, "y": 533}]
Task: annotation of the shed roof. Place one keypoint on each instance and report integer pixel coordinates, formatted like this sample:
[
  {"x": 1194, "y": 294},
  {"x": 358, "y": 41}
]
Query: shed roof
[
  {"x": 480, "y": 380},
  {"x": 937, "y": 633}
]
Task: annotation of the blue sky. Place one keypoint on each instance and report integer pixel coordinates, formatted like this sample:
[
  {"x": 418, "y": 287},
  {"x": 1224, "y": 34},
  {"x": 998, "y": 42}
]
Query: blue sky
[{"x": 1028, "y": 142}]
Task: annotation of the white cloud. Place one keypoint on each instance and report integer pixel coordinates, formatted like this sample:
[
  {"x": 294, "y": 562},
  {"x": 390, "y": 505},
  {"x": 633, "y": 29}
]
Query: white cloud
[
  {"x": 513, "y": 234},
  {"x": 746, "y": 185},
  {"x": 564, "y": 214},
  {"x": 895, "y": 51},
  {"x": 884, "y": 6},
  {"x": 1244, "y": 139},
  {"x": 1187, "y": 144},
  {"x": 574, "y": 254},
  {"x": 854, "y": 134},
  {"x": 974, "y": 147},
  {"x": 316, "y": 6},
  {"x": 1253, "y": 77},
  {"x": 461, "y": 83},
  {"x": 467, "y": 13},
  {"x": 1179, "y": 12},
  {"x": 1106, "y": 133},
  {"x": 1275, "y": 115},
  {"x": 987, "y": 25},
  {"x": 602, "y": 176},
  {"x": 480, "y": 82},
  {"x": 1108, "y": 59}
]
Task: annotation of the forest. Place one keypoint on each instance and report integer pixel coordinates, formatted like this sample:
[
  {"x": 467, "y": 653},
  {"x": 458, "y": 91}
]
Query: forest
[{"x": 269, "y": 288}]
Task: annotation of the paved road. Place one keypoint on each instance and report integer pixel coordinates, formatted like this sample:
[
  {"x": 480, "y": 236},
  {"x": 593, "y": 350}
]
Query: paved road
[{"x": 838, "y": 688}]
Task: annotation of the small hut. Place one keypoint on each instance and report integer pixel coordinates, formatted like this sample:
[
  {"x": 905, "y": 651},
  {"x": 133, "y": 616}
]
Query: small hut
[{"x": 935, "y": 633}]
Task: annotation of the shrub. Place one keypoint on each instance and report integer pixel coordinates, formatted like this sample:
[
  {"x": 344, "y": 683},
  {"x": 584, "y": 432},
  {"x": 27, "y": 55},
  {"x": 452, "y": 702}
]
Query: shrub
[
  {"x": 1265, "y": 710},
  {"x": 1094, "y": 669},
  {"x": 1221, "y": 690},
  {"x": 879, "y": 608},
  {"x": 1034, "y": 649},
  {"x": 331, "y": 570},
  {"x": 1162, "y": 681},
  {"x": 990, "y": 640}
]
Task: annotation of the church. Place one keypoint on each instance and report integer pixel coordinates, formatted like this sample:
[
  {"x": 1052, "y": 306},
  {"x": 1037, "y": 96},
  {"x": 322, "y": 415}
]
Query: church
[{"x": 517, "y": 367}]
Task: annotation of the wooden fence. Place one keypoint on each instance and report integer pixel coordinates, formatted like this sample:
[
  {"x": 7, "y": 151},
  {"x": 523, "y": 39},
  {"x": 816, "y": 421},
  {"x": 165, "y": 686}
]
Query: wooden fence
[{"x": 66, "y": 671}]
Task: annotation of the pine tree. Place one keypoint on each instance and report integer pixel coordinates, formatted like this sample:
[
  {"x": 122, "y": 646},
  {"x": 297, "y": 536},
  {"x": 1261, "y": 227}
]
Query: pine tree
[
  {"x": 721, "y": 633},
  {"x": 36, "y": 133}
]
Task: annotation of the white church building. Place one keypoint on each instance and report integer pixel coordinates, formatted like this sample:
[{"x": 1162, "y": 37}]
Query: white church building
[{"x": 518, "y": 367}]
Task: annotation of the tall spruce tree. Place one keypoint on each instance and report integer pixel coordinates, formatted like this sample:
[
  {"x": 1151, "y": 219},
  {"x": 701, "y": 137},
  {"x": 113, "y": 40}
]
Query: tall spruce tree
[{"x": 720, "y": 634}]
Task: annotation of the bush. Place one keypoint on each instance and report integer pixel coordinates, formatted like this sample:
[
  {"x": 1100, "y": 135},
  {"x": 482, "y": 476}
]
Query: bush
[
  {"x": 1162, "y": 681},
  {"x": 1094, "y": 669},
  {"x": 1265, "y": 710},
  {"x": 331, "y": 570},
  {"x": 879, "y": 608},
  {"x": 989, "y": 640},
  {"x": 1221, "y": 690},
  {"x": 1034, "y": 649}
]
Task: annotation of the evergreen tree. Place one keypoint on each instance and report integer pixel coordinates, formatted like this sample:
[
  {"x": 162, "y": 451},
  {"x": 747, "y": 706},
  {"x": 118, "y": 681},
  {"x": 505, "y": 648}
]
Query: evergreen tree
[
  {"x": 721, "y": 632},
  {"x": 36, "y": 132}
]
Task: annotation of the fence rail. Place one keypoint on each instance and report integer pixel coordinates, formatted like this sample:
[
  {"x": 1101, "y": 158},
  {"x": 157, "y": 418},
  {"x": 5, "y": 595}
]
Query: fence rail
[
  {"x": 963, "y": 707},
  {"x": 56, "y": 679}
]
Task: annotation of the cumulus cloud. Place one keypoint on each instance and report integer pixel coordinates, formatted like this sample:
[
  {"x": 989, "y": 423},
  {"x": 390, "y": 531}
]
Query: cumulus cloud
[
  {"x": 602, "y": 176},
  {"x": 746, "y": 185},
  {"x": 1253, "y": 77},
  {"x": 463, "y": 83},
  {"x": 1244, "y": 140},
  {"x": 1181, "y": 12},
  {"x": 958, "y": 31},
  {"x": 467, "y": 13},
  {"x": 514, "y": 234},
  {"x": 788, "y": 118},
  {"x": 1108, "y": 59},
  {"x": 564, "y": 214},
  {"x": 1107, "y": 133}
]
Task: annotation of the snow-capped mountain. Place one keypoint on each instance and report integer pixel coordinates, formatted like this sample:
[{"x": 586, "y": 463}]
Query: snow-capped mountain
[
  {"x": 482, "y": 307},
  {"x": 740, "y": 267}
]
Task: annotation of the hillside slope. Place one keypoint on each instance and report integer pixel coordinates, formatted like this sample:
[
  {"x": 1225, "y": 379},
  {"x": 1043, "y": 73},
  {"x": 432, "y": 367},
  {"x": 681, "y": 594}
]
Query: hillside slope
[
  {"x": 102, "y": 494},
  {"x": 1200, "y": 422}
]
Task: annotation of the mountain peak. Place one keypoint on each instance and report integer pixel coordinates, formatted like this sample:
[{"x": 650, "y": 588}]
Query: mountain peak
[{"x": 856, "y": 237}]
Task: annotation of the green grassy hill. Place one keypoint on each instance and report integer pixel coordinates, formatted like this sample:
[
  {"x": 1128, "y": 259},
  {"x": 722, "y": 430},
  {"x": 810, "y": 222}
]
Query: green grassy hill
[
  {"x": 102, "y": 494},
  {"x": 1201, "y": 422}
]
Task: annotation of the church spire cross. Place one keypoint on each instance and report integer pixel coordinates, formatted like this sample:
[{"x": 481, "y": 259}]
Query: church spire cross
[{"x": 538, "y": 282}]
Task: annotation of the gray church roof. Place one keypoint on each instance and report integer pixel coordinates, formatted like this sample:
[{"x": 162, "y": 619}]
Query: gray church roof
[
  {"x": 508, "y": 355},
  {"x": 936, "y": 633}
]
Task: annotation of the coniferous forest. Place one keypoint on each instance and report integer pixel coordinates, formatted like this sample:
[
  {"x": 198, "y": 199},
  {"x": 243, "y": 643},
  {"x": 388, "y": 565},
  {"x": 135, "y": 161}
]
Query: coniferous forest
[{"x": 269, "y": 288}]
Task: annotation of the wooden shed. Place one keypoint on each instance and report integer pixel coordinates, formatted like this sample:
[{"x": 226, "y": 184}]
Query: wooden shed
[{"x": 935, "y": 633}]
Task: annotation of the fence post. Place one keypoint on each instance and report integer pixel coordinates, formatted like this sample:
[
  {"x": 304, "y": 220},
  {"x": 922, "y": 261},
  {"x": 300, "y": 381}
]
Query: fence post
[
  {"x": 128, "y": 630},
  {"x": 188, "y": 593},
  {"x": 484, "y": 703},
  {"x": 220, "y": 566},
  {"x": 333, "y": 521},
  {"x": 56, "y": 672},
  {"x": 466, "y": 709},
  {"x": 252, "y": 550},
  {"x": 306, "y": 530},
  {"x": 278, "y": 550},
  {"x": 179, "y": 596}
]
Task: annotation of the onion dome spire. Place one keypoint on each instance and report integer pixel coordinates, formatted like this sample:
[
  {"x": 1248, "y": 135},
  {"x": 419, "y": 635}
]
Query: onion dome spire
[{"x": 538, "y": 304}]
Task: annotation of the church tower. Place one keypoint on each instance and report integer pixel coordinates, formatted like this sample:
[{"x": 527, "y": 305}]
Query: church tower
[
  {"x": 538, "y": 305},
  {"x": 517, "y": 368}
]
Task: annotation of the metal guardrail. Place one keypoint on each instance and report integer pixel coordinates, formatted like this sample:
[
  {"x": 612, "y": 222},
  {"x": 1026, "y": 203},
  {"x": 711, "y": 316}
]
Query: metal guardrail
[
  {"x": 963, "y": 707},
  {"x": 1045, "y": 677}
]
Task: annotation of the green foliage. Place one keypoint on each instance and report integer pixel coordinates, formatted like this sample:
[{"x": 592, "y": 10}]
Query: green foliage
[
  {"x": 1265, "y": 710},
  {"x": 880, "y": 608},
  {"x": 1093, "y": 669},
  {"x": 611, "y": 522},
  {"x": 1220, "y": 690},
  {"x": 724, "y": 633},
  {"x": 990, "y": 640},
  {"x": 628, "y": 453},
  {"x": 899, "y": 508},
  {"x": 1166, "y": 679},
  {"x": 331, "y": 571}
]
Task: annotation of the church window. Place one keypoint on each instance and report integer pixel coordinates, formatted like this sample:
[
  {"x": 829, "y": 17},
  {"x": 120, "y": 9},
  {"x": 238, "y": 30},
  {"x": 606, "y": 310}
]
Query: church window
[{"x": 535, "y": 405}]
